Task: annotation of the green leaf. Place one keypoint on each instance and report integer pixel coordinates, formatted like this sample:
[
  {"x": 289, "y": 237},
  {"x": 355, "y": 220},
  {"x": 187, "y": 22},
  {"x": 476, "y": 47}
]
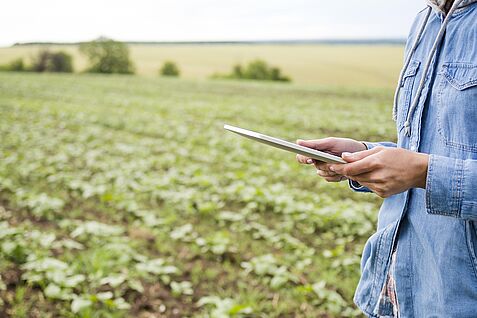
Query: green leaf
[
  {"x": 53, "y": 291},
  {"x": 104, "y": 296},
  {"x": 121, "y": 304},
  {"x": 136, "y": 285},
  {"x": 80, "y": 303}
]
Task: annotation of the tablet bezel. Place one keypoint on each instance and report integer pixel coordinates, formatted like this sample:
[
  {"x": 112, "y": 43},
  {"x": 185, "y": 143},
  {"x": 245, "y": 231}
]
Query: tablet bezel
[{"x": 285, "y": 145}]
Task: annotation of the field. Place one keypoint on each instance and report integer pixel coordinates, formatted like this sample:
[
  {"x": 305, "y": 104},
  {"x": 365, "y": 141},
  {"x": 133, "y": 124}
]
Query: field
[
  {"x": 122, "y": 196},
  {"x": 343, "y": 65}
]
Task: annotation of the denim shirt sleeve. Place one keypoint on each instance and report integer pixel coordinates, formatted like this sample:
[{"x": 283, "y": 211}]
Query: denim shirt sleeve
[
  {"x": 450, "y": 188},
  {"x": 355, "y": 186},
  {"x": 371, "y": 145}
]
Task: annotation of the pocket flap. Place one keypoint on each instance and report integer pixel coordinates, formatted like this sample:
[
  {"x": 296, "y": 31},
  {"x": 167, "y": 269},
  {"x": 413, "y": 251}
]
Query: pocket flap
[
  {"x": 460, "y": 75},
  {"x": 411, "y": 70}
]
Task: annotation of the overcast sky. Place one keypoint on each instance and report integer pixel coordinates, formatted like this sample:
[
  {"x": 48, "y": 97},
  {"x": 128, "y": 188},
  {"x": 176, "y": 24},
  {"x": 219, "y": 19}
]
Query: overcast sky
[{"x": 204, "y": 20}]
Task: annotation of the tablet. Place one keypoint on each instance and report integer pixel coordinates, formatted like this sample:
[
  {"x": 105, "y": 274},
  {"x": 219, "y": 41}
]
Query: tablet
[{"x": 285, "y": 145}]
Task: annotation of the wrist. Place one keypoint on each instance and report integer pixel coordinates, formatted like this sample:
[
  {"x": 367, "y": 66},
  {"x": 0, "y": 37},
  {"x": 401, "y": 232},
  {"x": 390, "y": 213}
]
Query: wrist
[{"x": 365, "y": 145}]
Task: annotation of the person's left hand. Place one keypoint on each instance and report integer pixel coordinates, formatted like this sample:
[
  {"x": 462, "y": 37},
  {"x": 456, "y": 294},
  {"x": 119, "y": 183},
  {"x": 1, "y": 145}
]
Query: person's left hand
[{"x": 385, "y": 171}]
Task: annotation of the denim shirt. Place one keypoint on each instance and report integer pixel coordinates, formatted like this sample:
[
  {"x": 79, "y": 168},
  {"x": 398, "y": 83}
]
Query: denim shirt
[{"x": 433, "y": 230}]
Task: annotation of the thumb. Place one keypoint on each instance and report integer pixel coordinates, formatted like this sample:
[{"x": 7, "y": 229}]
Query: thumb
[
  {"x": 356, "y": 156},
  {"x": 318, "y": 144}
]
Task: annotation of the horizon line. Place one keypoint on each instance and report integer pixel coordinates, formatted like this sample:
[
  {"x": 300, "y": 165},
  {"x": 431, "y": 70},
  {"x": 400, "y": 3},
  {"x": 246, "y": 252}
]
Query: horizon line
[{"x": 394, "y": 41}]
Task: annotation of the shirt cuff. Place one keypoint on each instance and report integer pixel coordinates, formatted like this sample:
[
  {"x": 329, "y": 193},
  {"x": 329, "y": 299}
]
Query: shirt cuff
[
  {"x": 371, "y": 145},
  {"x": 355, "y": 186},
  {"x": 444, "y": 185},
  {"x": 450, "y": 188}
]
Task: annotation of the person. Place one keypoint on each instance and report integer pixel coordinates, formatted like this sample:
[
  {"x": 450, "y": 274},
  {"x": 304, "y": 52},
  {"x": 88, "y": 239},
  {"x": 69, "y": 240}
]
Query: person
[{"x": 422, "y": 261}]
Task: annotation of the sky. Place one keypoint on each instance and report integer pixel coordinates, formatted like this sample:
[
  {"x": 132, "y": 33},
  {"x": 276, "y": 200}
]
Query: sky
[{"x": 204, "y": 20}]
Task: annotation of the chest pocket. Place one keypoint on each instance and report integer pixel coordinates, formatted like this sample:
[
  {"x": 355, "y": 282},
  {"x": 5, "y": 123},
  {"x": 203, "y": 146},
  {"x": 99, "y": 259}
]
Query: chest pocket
[
  {"x": 457, "y": 106},
  {"x": 405, "y": 97}
]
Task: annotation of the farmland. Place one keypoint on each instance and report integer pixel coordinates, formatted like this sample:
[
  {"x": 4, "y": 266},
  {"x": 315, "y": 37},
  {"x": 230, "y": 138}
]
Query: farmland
[
  {"x": 348, "y": 65},
  {"x": 122, "y": 196}
]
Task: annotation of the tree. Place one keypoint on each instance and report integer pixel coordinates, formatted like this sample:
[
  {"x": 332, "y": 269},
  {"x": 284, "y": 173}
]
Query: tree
[
  {"x": 170, "y": 69},
  {"x": 47, "y": 61},
  {"x": 40, "y": 62},
  {"x": 60, "y": 62},
  {"x": 107, "y": 56},
  {"x": 255, "y": 70},
  {"x": 276, "y": 75}
]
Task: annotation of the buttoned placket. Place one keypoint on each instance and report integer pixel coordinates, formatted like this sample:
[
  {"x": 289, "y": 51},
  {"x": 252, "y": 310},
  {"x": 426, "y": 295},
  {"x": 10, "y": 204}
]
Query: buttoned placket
[
  {"x": 413, "y": 142},
  {"x": 416, "y": 120}
]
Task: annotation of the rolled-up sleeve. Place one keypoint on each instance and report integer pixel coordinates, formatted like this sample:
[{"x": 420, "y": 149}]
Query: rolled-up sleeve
[
  {"x": 451, "y": 187},
  {"x": 355, "y": 186}
]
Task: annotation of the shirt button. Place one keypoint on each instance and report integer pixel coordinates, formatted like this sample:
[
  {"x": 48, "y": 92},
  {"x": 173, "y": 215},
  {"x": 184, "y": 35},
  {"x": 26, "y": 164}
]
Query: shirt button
[{"x": 413, "y": 148}]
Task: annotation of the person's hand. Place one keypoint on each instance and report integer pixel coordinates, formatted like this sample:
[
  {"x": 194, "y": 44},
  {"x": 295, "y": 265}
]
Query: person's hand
[
  {"x": 385, "y": 171},
  {"x": 332, "y": 145}
]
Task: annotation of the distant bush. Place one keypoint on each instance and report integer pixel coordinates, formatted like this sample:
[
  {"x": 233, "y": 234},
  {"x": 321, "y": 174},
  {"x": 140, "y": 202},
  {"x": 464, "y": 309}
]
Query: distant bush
[
  {"x": 60, "y": 62},
  {"x": 40, "y": 61},
  {"x": 16, "y": 65},
  {"x": 256, "y": 70},
  {"x": 44, "y": 61},
  {"x": 107, "y": 56},
  {"x": 169, "y": 69},
  {"x": 47, "y": 61}
]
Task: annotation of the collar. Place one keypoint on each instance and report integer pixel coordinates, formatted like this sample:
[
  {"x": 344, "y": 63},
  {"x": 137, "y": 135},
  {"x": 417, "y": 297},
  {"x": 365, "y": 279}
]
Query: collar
[{"x": 439, "y": 5}]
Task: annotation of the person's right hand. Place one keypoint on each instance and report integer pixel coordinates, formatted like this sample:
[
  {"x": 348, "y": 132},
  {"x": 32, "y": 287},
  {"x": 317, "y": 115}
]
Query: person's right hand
[{"x": 336, "y": 146}]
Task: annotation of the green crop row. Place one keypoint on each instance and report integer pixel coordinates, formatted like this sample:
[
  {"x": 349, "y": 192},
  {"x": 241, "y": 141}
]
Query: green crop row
[{"x": 123, "y": 196}]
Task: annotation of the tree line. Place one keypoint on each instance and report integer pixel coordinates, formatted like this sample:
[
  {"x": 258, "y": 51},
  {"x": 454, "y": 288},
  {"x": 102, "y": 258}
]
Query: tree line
[{"x": 108, "y": 56}]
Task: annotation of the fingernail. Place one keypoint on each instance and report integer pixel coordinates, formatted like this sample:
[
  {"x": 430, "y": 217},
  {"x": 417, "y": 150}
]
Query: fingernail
[
  {"x": 346, "y": 154},
  {"x": 310, "y": 161},
  {"x": 332, "y": 168}
]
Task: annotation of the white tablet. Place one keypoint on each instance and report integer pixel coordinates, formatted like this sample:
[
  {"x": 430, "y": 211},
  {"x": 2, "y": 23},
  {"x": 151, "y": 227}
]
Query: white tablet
[{"x": 285, "y": 145}]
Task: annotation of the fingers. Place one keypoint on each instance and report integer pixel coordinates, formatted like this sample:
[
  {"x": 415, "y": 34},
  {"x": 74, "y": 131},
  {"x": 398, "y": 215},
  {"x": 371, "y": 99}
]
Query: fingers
[
  {"x": 336, "y": 178},
  {"x": 322, "y": 169},
  {"x": 368, "y": 178},
  {"x": 356, "y": 168},
  {"x": 322, "y": 166},
  {"x": 353, "y": 157},
  {"x": 381, "y": 189},
  {"x": 304, "y": 160},
  {"x": 318, "y": 144},
  {"x": 326, "y": 174},
  {"x": 359, "y": 162}
]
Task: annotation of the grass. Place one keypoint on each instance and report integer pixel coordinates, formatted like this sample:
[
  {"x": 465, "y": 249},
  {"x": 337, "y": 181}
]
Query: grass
[
  {"x": 343, "y": 65},
  {"x": 123, "y": 196}
]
